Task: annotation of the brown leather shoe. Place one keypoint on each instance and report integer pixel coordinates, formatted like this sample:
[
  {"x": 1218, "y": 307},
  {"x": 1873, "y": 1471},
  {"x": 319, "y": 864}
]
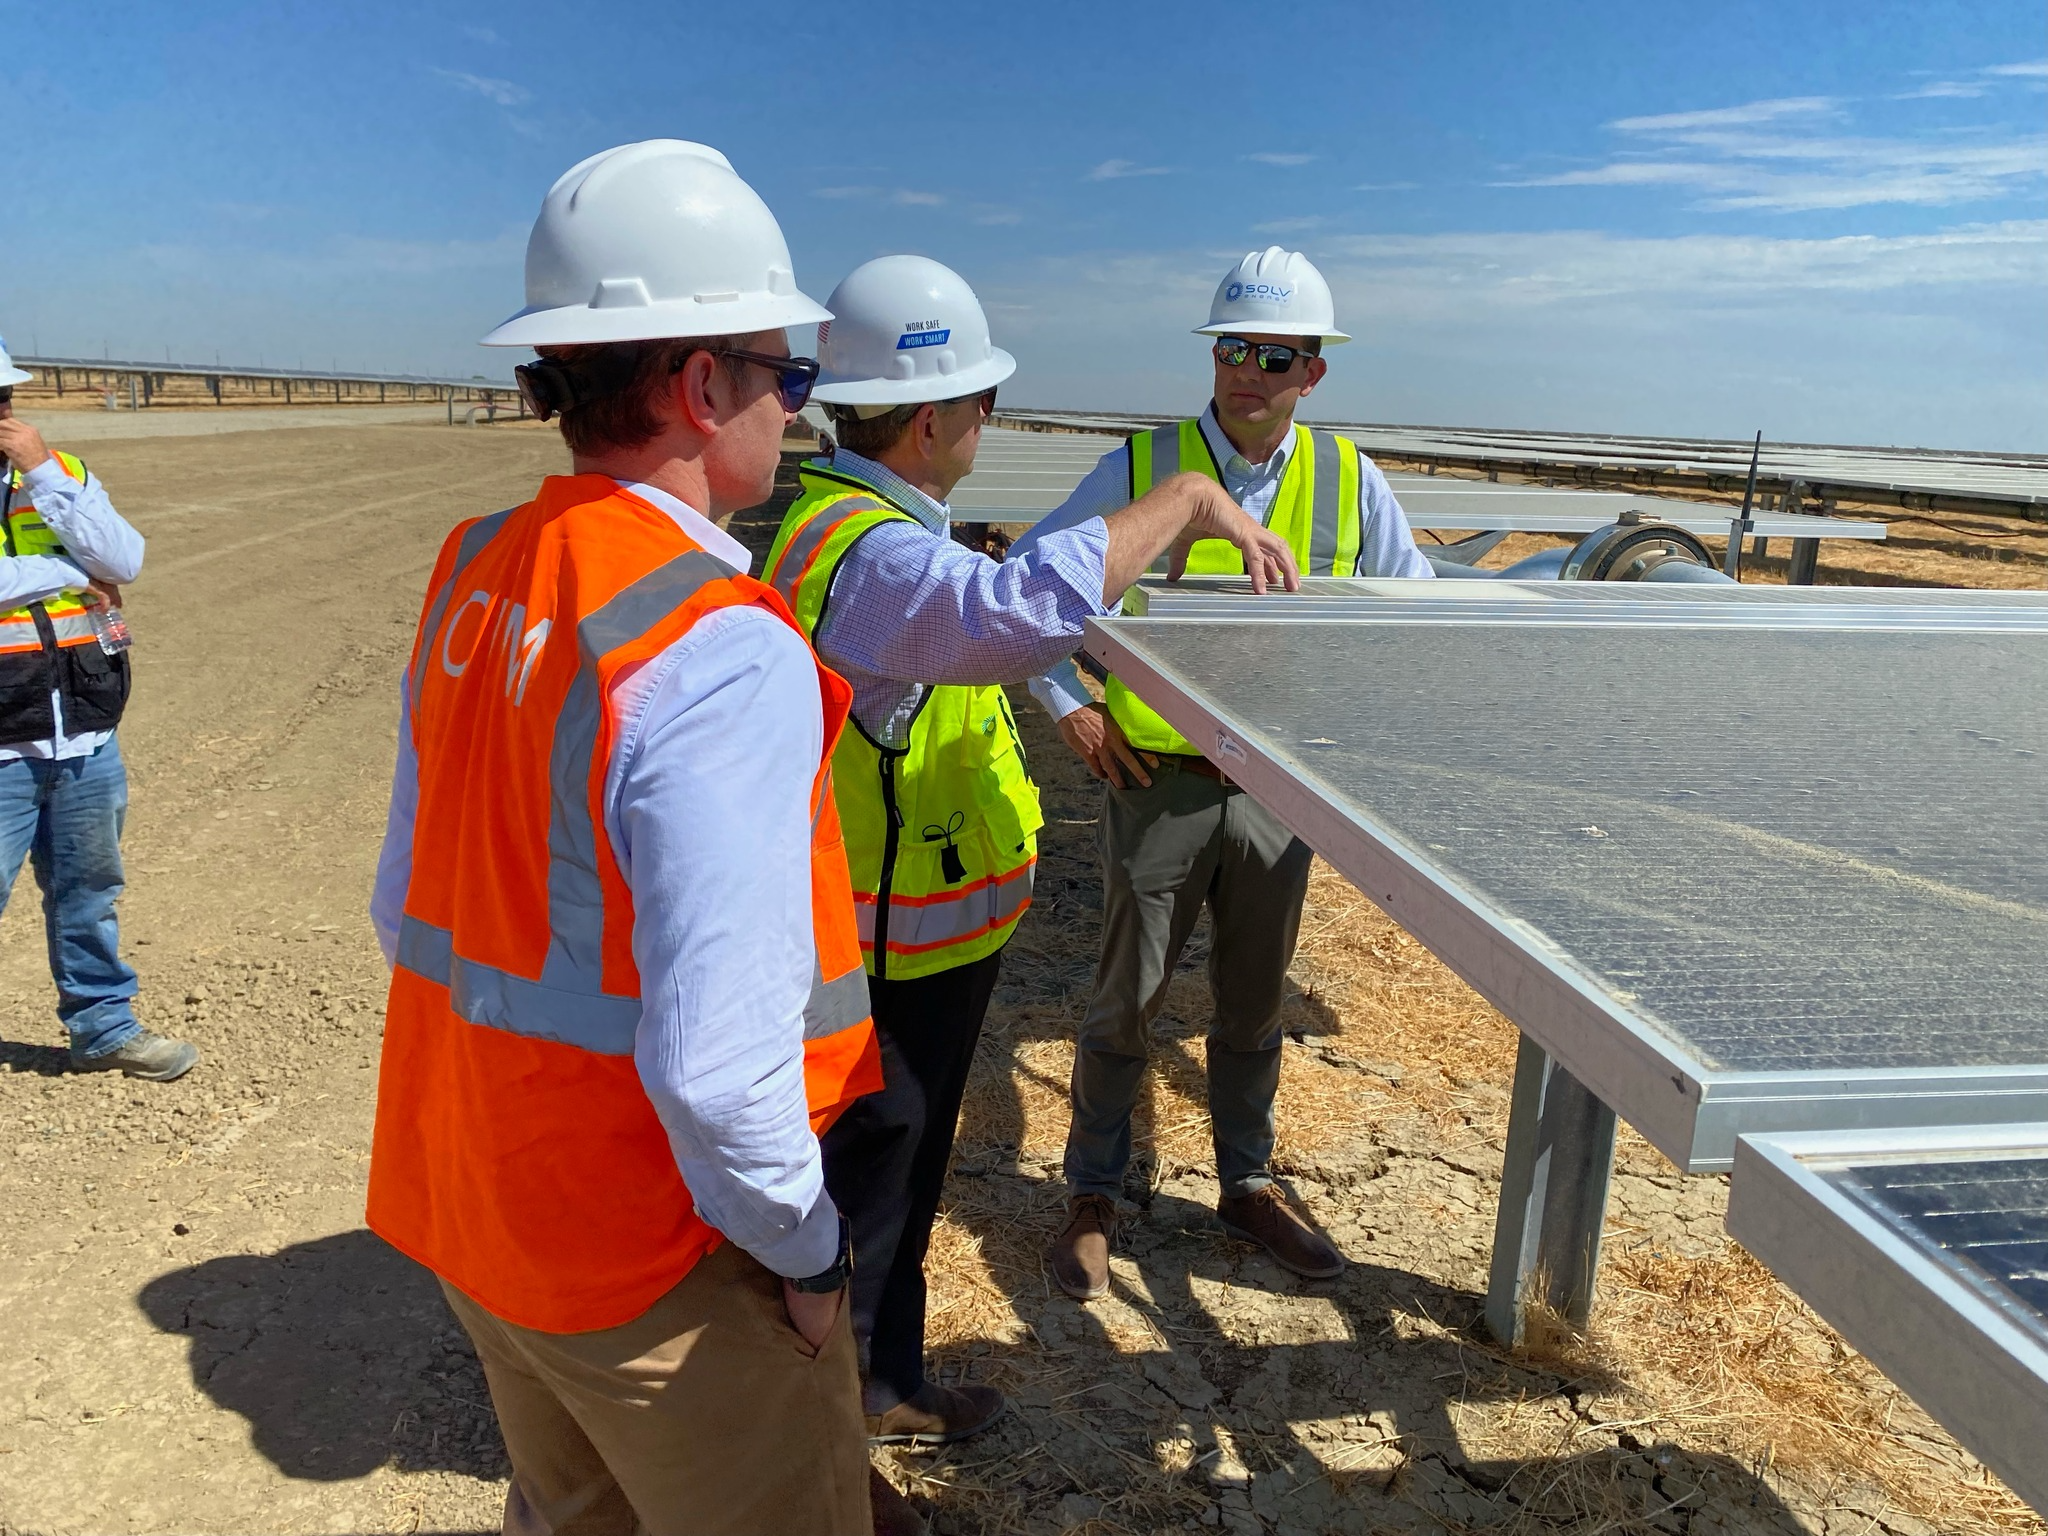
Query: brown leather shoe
[
  {"x": 937, "y": 1416},
  {"x": 894, "y": 1514},
  {"x": 1267, "y": 1217},
  {"x": 1080, "y": 1254}
]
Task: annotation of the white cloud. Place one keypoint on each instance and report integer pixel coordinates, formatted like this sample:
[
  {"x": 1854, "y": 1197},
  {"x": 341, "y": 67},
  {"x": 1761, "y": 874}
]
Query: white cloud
[
  {"x": 1768, "y": 155},
  {"x": 1729, "y": 117},
  {"x": 1946, "y": 90},
  {"x": 483, "y": 35},
  {"x": 1117, "y": 170},
  {"x": 1269, "y": 158},
  {"x": 2033, "y": 69},
  {"x": 994, "y": 216},
  {"x": 504, "y": 93},
  {"x": 903, "y": 197},
  {"x": 1290, "y": 226}
]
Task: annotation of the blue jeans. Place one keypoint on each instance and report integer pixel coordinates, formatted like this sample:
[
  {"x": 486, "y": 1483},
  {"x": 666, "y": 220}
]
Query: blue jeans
[{"x": 66, "y": 816}]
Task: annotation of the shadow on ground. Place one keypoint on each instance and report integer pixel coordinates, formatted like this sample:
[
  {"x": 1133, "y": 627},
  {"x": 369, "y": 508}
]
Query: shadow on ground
[
  {"x": 340, "y": 1353},
  {"x": 34, "y": 1060}
]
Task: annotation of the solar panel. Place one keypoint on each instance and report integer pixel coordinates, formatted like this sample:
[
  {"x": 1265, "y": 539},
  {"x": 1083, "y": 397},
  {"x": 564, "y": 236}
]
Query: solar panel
[
  {"x": 1738, "y": 858},
  {"x": 1929, "y": 1251}
]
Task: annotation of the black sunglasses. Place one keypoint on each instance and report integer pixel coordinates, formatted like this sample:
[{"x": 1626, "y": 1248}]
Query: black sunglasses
[
  {"x": 986, "y": 400},
  {"x": 6, "y": 393},
  {"x": 1231, "y": 351},
  {"x": 794, "y": 376}
]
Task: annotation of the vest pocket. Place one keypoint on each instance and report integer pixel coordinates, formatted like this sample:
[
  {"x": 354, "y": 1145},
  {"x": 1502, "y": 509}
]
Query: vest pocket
[
  {"x": 95, "y": 687},
  {"x": 1003, "y": 790}
]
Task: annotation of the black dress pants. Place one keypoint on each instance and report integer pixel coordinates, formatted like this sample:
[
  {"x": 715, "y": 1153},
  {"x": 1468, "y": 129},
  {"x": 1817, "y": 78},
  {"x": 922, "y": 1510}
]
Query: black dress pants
[{"x": 886, "y": 1157}]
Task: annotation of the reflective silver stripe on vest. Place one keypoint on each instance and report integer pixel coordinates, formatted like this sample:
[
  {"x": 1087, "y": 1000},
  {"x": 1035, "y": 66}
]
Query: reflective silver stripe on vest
[
  {"x": 837, "y": 1004},
  {"x": 1325, "y": 513},
  {"x": 1165, "y": 453},
  {"x": 483, "y": 994},
  {"x": 795, "y": 563},
  {"x": 932, "y": 921}
]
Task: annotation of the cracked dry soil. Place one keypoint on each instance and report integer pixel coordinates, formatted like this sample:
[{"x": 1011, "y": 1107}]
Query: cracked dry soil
[{"x": 200, "y": 1336}]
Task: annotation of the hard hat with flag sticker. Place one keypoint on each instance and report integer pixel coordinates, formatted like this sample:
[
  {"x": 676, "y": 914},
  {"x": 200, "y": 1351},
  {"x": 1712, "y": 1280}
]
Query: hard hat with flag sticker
[
  {"x": 9, "y": 374},
  {"x": 654, "y": 241},
  {"x": 904, "y": 330},
  {"x": 1274, "y": 292}
]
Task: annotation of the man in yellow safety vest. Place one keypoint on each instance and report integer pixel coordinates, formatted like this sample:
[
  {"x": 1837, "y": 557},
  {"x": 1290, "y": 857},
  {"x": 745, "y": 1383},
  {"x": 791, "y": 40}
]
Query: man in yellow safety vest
[
  {"x": 1176, "y": 834},
  {"x": 940, "y": 814}
]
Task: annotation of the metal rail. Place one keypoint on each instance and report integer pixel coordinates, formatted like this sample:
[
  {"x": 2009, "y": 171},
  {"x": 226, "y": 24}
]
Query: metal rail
[{"x": 141, "y": 381}]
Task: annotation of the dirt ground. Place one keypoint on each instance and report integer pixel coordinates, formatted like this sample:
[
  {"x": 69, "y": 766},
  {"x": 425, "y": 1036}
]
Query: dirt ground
[{"x": 200, "y": 1336}]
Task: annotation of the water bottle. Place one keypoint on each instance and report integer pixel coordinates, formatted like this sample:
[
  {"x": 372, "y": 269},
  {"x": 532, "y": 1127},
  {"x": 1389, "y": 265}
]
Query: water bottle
[{"x": 112, "y": 629}]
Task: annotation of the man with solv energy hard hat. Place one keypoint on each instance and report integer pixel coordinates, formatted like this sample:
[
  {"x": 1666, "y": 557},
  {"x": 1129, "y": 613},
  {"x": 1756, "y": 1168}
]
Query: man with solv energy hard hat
[
  {"x": 1176, "y": 834},
  {"x": 939, "y": 811},
  {"x": 626, "y": 990}
]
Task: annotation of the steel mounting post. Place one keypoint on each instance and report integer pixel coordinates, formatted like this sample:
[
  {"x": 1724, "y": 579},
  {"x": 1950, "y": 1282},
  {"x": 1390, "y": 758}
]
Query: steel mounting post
[{"x": 1553, "y": 1198}]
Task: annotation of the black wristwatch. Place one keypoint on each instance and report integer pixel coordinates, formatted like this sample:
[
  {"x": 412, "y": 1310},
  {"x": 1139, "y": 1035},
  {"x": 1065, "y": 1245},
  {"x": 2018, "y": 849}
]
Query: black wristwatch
[{"x": 826, "y": 1281}]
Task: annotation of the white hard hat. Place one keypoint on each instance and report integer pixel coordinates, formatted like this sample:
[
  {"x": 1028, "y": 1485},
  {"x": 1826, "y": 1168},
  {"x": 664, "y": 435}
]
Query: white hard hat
[
  {"x": 1275, "y": 293},
  {"x": 906, "y": 329},
  {"x": 649, "y": 241},
  {"x": 9, "y": 374}
]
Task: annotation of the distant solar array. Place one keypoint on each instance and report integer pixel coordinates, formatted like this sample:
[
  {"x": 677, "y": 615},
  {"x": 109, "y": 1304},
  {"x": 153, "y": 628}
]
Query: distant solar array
[
  {"x": 1918, "y": 478},
  {"x": 1021, "y": 476}
]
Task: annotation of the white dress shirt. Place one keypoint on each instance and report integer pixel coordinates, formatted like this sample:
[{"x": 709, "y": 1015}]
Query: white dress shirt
[
  {"x": 99, "y": 541},
  {"x": 1386, "y": 547},
  {"x": 708, "y": 807}
]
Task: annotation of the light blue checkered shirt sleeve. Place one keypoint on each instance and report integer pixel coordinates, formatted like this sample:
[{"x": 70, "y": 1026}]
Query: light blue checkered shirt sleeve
[{"x": 910, "y": 608}]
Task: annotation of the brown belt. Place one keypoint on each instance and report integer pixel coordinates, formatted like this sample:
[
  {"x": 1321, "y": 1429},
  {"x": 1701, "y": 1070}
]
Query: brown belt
[{"x": 1199, "y": 765}]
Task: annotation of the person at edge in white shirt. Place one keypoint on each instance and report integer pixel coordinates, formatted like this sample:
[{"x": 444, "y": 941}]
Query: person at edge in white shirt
[
  {"x": 1177, "y": 835},
  {"x": 63, "y": 791}
]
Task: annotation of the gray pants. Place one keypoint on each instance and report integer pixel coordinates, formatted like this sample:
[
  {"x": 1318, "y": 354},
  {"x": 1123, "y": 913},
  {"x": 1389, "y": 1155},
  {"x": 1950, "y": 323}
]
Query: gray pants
[{"x": 1165, "y": 851}]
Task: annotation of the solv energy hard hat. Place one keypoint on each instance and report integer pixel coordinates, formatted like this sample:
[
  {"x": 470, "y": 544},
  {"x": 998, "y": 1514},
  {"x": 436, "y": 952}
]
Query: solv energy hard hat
[
  {"x": 906, "y": 329},
  {"x": 9, "y": 374},
  {"x": 1275, "y": 293},
  {"x": 649, "y": 241}
]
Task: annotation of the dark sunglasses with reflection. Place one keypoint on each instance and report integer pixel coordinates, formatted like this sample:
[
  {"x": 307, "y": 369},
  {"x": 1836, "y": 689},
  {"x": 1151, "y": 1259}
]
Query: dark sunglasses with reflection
[
  {"x": 794, "y": 376},
  {"x": 1231, "y": 351}
]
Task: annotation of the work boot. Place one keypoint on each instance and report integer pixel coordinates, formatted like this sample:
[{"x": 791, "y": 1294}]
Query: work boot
[
  {"x": 937, "y": 1416},
  {"x": 894, "y": 1514},
  {"x": 1267, "y": 1217},
  {"x": 1080, "y": 1254},
  {"x": 148, "y": 1056}
]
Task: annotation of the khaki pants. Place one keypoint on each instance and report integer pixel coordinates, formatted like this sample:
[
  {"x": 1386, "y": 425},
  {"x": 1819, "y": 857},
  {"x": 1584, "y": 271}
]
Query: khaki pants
[{"x": 707, "y": 1415}]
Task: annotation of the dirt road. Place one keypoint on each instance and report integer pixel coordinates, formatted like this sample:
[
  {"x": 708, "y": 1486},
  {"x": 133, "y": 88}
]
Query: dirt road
[{"x": 200, "y": 1336}]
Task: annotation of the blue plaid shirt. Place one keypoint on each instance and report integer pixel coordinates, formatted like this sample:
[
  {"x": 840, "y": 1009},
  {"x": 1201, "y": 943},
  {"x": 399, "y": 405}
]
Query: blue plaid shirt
[{"x": 911, "y": 608}]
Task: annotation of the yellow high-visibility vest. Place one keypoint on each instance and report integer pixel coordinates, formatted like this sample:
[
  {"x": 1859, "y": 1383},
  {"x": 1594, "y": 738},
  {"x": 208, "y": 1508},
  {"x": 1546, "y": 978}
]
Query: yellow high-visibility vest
[
  {"x": 941, "y": 832},
  {"x": 1315, "y": 510},
  {"x": 50, "y": 647}
]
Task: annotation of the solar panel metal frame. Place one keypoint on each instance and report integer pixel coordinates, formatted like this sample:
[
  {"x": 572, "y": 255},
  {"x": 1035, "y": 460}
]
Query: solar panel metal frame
[
  {"x": 1921, "y": 1317},
  {"x": 1690, "y": 1111}
]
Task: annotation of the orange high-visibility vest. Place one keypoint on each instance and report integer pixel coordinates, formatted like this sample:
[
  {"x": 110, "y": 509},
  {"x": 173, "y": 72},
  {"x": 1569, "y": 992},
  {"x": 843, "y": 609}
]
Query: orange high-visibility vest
[{"x": 515, "y": 1153}]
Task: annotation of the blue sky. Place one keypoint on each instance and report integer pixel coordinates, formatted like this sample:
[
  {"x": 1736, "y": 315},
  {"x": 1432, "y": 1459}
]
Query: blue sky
[{"x": 1825, "y": 220}]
